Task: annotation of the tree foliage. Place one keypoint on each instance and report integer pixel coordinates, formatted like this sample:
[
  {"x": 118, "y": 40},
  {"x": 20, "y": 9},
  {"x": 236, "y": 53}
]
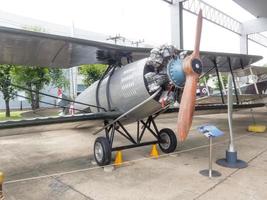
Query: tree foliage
[
  {"x": 30, "y": 77},
  {"x": 34, "y": 78},
  {"x": 92, "y": 72},
  {"x": 57, "y": 78},
  {"x": 34, "y": 29},
  {"x": 5, "y": 85},
  {"x": 224, "y": 82},
  {"x": 204, "y": 80}
]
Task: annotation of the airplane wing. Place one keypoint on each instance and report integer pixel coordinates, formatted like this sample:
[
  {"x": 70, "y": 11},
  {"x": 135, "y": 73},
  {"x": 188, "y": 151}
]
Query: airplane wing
[
  {"x": 29, "y": 48},
  {"x": 255, "y": 70},
  {"x": 40, "y": 124},
  {"x": 216, "y": 99},
  {"x": 209, "y": 107},
  {"x": 225, "y": 61}
]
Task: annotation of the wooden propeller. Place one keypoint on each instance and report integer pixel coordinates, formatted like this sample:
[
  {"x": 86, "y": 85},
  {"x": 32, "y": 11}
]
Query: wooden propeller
[{"x": 192, "y": 68}]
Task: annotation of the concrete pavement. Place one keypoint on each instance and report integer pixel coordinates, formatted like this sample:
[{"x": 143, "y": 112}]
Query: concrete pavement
[{"x": 41, "y": 156}]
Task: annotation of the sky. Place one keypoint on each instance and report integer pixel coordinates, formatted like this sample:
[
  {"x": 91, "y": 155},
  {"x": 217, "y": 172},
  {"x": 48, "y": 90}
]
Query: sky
[{"x": 135, "y": 19}]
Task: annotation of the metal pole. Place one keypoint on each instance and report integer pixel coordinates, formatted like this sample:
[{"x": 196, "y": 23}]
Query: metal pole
[
  {"x": 205, "y": 81},
  {"x": 71, "y": 70},
  {"x": 255, "y": 84},
  {"x": 218, "y": 78},
  {"x": 231, "y": 160},
  {"x": 238, "y": 85},
  {"x": 233, "y": 79},
  {"x": 20, "y": 105},
  {"x": 1, "y": 185},
  {"x": 210, "y": 157},
  {"x": 230, "y": 112}
]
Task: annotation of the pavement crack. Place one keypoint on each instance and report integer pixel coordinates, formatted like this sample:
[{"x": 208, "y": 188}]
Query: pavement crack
[
  {"x": 230, "y": 175},
  {"x": 72, "y": 188}
]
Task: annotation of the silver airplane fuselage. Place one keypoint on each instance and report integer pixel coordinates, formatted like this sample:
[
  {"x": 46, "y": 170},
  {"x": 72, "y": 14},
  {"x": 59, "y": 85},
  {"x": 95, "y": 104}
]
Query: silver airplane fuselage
[{"x": 121, "y": 91}]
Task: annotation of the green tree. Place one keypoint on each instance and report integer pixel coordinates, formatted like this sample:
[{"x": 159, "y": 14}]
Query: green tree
[
  {"x": 34, "y": 78},
  {"x": 34, "y": 29},
  {"x": 204, "y": 80},
  {"x": 224, "y": 82},
  {"x": 57, "y": 78},
  {"x": 92, "y": 72},
  {"x": 5, "y": 85}
]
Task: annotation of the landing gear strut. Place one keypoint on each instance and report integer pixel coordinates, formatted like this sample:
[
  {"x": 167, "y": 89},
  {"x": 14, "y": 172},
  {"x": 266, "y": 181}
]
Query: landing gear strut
[{"x": 103, "y": 146}]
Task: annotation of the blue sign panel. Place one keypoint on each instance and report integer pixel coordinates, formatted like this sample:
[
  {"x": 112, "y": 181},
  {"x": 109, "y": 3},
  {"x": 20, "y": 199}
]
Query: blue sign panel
[{"x": 210, "y": 130}]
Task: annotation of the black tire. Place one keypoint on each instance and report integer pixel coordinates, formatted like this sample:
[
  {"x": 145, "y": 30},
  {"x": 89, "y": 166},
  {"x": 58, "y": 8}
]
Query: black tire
[
  {"x": 102, "y": 144},
  {"x": 167, "y": 140}
]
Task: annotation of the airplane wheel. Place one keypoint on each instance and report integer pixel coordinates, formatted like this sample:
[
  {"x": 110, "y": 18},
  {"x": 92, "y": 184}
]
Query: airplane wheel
[
  {"x": 168, "y": 141},
  {"x": 102, "y": 151}
]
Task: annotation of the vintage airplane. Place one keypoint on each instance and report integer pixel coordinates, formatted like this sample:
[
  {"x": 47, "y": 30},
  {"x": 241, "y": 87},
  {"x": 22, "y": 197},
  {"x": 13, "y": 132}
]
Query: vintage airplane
[{"x": 137, "y": 86}]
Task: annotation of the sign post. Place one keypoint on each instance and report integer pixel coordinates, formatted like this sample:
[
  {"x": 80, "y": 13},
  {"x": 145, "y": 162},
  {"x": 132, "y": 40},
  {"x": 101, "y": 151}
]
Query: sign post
[
  {"x": 230, "y": 159},
  {"x": 210, "y": 132},
  {"x": 21, "y": 98}
]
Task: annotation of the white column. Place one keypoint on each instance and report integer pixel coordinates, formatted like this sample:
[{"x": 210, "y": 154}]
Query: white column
[
  {"x": 73, "y": 71},
  {"x": 176, "y": 24},
  {"x": 244, "y": 44},
  {"x": 73, "y": 82},
  {"x": 243, "y": 41}
]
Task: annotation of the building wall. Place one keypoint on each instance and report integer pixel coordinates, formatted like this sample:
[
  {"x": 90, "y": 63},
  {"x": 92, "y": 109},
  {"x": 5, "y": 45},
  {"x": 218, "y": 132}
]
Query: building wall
[{"x": 16, "y": 103}]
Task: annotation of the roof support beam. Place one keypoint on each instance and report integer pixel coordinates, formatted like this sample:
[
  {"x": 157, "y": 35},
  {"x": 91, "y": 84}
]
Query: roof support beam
[
  {"x": 255, "y": 26},
  {"x": 221, "y": 19}
]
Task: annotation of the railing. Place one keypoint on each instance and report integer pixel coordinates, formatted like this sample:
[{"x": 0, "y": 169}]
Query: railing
[{"x": 221, "y": 19}]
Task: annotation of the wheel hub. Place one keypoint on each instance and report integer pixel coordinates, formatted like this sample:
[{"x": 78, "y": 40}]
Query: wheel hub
[
  {"x": 99, "y": 151},
  {"x": 165, "y": 141}
]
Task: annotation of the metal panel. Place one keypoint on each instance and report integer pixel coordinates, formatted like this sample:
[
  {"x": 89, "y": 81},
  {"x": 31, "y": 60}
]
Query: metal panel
[
  {"x": 255, "y": 7},
  {"x": 39, "y": 49},
  {"x": 237, "y": 60},
  {"x": 127, "y": 89}
]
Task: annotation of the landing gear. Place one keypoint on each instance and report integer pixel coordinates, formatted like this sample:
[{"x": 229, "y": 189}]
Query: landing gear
[
  {"x": 168, "y": 141},
  {"x": 103, "y": 147},
  {"x": 102, "y": 151}
]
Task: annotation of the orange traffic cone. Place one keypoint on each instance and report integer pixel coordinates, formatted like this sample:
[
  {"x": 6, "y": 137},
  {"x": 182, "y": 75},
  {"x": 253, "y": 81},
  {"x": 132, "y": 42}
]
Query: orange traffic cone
[
  {"x": 1, "y": 186},
  {"x": 154, "y": 152},
  {"x": 118, "y": 158}
]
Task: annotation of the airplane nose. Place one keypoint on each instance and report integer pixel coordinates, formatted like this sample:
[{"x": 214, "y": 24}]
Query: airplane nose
[
  {"x": 176, "y": 73},
  {"x": 196, "y": 66}
]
